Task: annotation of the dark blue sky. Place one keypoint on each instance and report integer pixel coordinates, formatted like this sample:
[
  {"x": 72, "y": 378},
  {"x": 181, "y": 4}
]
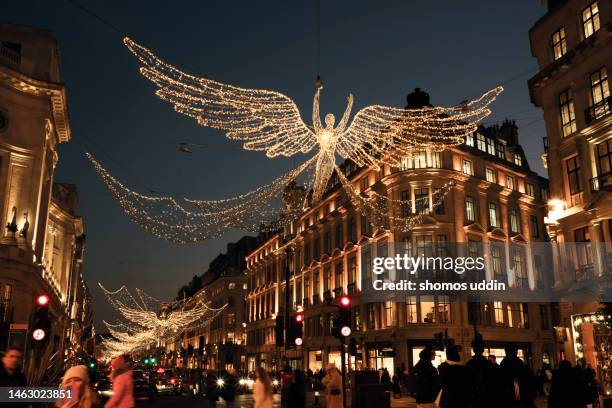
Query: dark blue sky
[{"x": 378, "y": 50}]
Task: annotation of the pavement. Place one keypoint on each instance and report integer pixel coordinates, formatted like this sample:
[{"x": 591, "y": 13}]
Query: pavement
[{"x": 246, "y": 401}]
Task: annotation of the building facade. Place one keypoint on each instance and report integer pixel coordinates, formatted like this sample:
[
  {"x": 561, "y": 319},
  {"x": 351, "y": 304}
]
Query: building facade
[
  {"x": 219, "y": 344},
  {"x": 573, "y": 46},
  {"x": 41, "y": 245},
  {"x": 496, "y": 198}
]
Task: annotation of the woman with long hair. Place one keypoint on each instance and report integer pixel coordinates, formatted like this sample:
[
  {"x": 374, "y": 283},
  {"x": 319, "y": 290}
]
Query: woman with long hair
[
  {"x": 76, "y": 379},
  {"x": 262, "y": 389}
]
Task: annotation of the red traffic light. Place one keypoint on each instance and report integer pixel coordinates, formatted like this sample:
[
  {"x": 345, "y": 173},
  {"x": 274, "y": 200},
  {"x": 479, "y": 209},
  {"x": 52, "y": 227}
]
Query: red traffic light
[
  {"x": 345, "y": 301},
  {"x": 38, "y": 334},
  {"x": 299, "y": 318},
  {"x": 42, "y": 300}
]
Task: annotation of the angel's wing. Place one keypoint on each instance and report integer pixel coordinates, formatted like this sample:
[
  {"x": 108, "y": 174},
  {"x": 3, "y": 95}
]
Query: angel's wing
[
  {"x": 264, "y": 120},
  {"x": 386, "y": 133}
]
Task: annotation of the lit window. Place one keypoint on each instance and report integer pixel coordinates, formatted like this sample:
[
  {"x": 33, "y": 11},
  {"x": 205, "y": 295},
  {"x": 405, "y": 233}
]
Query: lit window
[
  {"x": 481, "y": 142},
  {"x": 590, "y": 19},
  {"x": 500, "y": 149},
  {"x": 566, "y": 109},
  {"x": 470, "y": 209},
  {"x": 600, "y": 92},
  {"x": 493, "y": 215},
  {"x": 468, "y": 167},
  {"x": 574, "y": 175},
  {"x": 518, "y": 159},
  {"x": 469, "y": 140},
  {"x": 559, "y": 44},
  {"x": 530, "y": 189},
  {"x": 491, "y": 175},
  {"x": 421, "y": 200},
  {"x": 510, "y": 183},
  {"x": 411, "y": 310},
  {"x": 491, "y": 146},
  {"x": 535, "y": 226},
  {"x": 515, "y": 223}
]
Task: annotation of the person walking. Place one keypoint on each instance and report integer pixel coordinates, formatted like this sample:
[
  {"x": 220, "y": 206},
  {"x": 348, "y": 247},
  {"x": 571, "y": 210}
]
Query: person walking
[
  {"x": 285, "y": 383},
  {"x": 426, "y": 378},
  {"x": 262, "y": 389},
  {"x": 123, "y": 388},
  {"x": 11, "y": 375},
  {"x": 297, "y": 390},
  {"x": 76, "y": 379},
  {"x": 386, "y": 378},
  {"x": 333, "y": 387},
  {"x": 397, "y": 389},
  {"x": 517, "y": 384},
  {"x": 485, "y": 376},
  {"x": 456, "y": 381},
  {"x": 568, "y": 388}
]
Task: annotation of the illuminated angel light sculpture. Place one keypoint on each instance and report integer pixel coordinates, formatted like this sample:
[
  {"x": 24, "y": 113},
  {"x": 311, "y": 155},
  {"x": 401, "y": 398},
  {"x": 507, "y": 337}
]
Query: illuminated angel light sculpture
[
  {"x": 146, "y": 320},
  {"x": 270, "y": 121}
]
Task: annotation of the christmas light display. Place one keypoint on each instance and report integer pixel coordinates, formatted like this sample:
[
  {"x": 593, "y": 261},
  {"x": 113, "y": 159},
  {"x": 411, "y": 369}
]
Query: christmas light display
[
  {"x": 270, "y": 121},
  {"x": 146, "y": 320}
]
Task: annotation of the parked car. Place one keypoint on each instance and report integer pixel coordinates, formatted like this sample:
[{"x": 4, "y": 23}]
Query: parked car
[{"x": 165, "y": 383}]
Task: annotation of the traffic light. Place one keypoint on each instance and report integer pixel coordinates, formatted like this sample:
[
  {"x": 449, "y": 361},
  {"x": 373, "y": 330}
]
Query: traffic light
[
  {"x": 92, "y": 365},
  {"x": 279, "y": 331},
  {"x": 295, "y": 331},
  {"x": 342, "y": 323},
  {"x": 41, "y": 324}
]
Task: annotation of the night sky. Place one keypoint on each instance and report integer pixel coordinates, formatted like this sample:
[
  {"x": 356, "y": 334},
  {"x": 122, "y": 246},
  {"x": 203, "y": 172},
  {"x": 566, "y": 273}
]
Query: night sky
[{"x": 378, "y": 50}]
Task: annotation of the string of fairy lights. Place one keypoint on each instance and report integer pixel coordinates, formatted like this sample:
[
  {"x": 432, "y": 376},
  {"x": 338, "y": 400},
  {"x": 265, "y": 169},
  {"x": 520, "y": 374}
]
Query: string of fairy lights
[
  {"x": 145, "y": 320},
  {"x": 269, "y": 121}
]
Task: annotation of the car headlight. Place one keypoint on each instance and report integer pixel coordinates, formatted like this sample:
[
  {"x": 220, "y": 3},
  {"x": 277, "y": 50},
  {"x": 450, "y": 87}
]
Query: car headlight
[
  {"x": 242, "y": 381},
  {"x": 250, "y": 382},
  {"x": 220, "y": 382},
  {"x": 274, "y": 382}
]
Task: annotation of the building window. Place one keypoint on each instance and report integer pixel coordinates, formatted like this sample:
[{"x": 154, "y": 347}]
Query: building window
[
  {"x": 339, "y": 238},
  {"x": 440, "y": 210},
  {"x": 389, "y": 317},
  {"x": 497, "y": 263},
  {"x": 338, "y": 278},
  {"x": 352, "y": 269},
  {"x": 423, "y": 159},
  {"x": 411, "y": 310},
  {"x": 518, "y": 159},
  {"x": 469, "y": 140},
  {"x": 327, "y": 279},
  {"x": 327, "y": 242},
  {"x": 600, "y": 91},
  {"x": 530, "y": 189},
  {"x": 406, "y": 204},
  {"x": 493, "y": 215},
  {"x": 544, "y": 317},
  {"x": 559, "y": 44},
  {"x": 491, "y": 146},
  {"x": 604, "y": 157},
  {"x": 371, "y": 316},
  {"x": 515, "y": 224},
  {"x": 421, "y": 200},
  {"x": 573, "y": 178},
  {"x": 366, "y": 228},
  {"x": 470, "y": 209},
  {"x": 490, "y": 173},
  {"x": 535, "y": 227},
  {"x": 352, "y": 236},
  {"x": 590, "y": 19},
  {"x": 468, "y": 167},
  {"x": 481, "y": 142},
  {"x": 518, "y": 265},
  {"x": 443, "y": 308},
  {"x": 7, "y": 295},
  {"x": 510, "y": 183},
  {"x": 500, "y": 150},
  {"x": 498, "y": 308},
  {"x": 566, "y": 109}
]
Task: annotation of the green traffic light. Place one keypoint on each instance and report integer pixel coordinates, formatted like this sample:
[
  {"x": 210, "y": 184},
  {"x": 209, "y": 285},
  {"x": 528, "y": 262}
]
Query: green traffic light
[
  {"x": 152, "y": 360},
  {"x": 146, "y": 361},
  {"x": 92, "y": 365}
]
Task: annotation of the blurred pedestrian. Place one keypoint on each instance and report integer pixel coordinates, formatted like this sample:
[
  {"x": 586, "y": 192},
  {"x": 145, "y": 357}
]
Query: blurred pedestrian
[
  {"x": 297, "y": 390},
  {"x": 262, "y": 389},
  {"x": 456, "y": 381},
  {"x": 10, "y": 369},
  {"x": 285, "y": 383},
  {"x": 229, "y": 388},
  {"x": 333, "y": 387},
  {"x": 397, "y": 390},
  {"x": 426, "y": 378},
  {"x": 493, "y": 359},
  {"x": 485, "y": 376},
  {"x": 386, "y": 379},
  {"x": 211, "y": 389},
  {"x": 76, "y": 380},
  {"x": 123, "y": 388},
  {"x": 568, "y": 388},
  {"x": 517, "y": 385}
]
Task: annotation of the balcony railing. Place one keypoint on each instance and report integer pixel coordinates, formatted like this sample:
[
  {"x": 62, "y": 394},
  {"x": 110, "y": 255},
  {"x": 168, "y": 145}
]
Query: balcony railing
[
  {"x": 10, "y": 54},
  {"x": 601, "y": 182},
  {"x": 584, "y": 272},
  {"x": 598, "y": 110}
]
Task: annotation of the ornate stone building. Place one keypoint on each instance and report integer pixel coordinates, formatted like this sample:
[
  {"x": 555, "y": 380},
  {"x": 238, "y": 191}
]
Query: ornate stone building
[
  {"x": 572, "y": 43},
  {"x": 497, "y": 198},
  {"x": 42, "y": 244}
]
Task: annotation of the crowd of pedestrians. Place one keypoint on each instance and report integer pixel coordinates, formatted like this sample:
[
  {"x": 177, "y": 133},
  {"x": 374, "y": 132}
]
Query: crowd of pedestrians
[{"x": 481, "y": 382}]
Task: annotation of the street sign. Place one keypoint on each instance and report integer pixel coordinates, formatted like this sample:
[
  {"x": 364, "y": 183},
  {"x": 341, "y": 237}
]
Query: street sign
[{"x": 18, "y": 326}]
